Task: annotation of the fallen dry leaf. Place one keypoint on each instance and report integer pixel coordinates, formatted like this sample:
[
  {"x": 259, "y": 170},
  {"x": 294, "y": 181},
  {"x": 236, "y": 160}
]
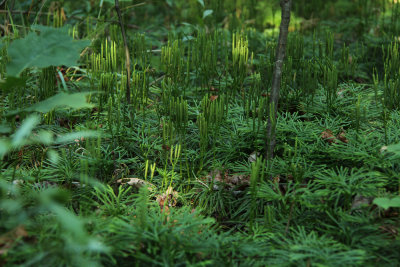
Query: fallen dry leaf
[
  {"x": 18, "y": 182},
  {"x": 136, "y": 182},
  {"x": 342, "y": 137},
  {"x": 166, "y": 147},
  {"x": 8, "y": 239},
  {"x": 167, "y": 199},
  {"x": 360, "y": 201},
  {"x": 215, "y": 177},
  {"x": 253, "y": 156},
  {"x": 276, "y": 179},
  {"x": 328, "y": 136},
  {"x": 228, "y": 180},
  {"x": 340, "y": 93},
  {"x": 213, "y": 97}
]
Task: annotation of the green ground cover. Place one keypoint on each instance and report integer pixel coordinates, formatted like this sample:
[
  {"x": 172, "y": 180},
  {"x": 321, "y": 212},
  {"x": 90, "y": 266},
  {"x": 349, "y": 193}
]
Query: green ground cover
[{"x": 164, "y": 166}]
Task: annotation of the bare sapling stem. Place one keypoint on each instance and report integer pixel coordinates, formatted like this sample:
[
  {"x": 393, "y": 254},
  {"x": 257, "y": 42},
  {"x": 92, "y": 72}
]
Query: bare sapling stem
[{"x": 276, "y": 78}]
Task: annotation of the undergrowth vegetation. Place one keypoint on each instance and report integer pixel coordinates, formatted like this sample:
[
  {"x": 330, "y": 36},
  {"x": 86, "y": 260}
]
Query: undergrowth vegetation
[{"x": 165, "y": 166}]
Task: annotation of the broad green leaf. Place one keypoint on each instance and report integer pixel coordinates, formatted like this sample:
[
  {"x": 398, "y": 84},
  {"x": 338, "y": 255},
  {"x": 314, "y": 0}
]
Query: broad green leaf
[
  {"x": 53, "y": 156},
  {"x": 12, "y": 82},
  {"x": 201, "y": 2},
  {"x": 207, "y": 13},
  {"x": 52, "y": 47},
  {"x": 4, "y": 128},
  {"x": 169, "y": 2},
  {"x": 386, "y": 203},
  {"x": 24, "y": 130},
  {"x": 62, "y": 100},
  {"x": 395, "y": 148},
  {"x": 68, "y": 220},
  {"x": 73, "y": 225},
  {"x": 43, "y": 137},
  {"x": 4, "y": 147}
]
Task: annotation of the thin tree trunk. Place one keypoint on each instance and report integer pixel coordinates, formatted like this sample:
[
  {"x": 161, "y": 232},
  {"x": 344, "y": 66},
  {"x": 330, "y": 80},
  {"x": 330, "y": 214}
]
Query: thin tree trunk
[
  {"x": 276, "y": 78},
  {"x": 128, "y": 58}
]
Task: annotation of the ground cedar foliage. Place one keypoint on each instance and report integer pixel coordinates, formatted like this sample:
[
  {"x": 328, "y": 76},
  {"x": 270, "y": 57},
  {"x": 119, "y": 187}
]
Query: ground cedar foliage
[{"x": 149, "y": 151}]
